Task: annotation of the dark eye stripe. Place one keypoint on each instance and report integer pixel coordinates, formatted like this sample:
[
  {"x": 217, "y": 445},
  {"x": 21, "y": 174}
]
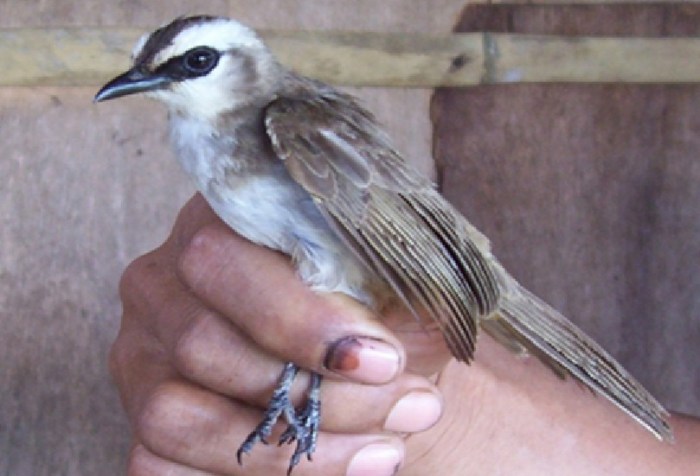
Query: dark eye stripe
[{"x": 184, "y": 67}]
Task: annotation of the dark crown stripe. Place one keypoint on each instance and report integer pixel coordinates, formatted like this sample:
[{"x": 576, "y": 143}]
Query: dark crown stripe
[{"x": 164, "y": 36}]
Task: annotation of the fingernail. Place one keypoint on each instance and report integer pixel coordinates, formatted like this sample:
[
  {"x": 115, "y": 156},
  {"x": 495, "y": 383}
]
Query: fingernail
[
  {"x": 379, "y": 459},
  {"x": 415, "y": 412},
  {"x": 363, "y": 358}
]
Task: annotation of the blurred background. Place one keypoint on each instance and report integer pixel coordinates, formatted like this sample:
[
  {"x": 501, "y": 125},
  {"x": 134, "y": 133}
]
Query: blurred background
[{"x": 589, "y": 193}]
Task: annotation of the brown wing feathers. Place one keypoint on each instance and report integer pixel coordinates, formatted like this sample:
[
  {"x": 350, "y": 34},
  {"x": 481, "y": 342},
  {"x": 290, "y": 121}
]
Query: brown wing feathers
[
  {"x": 386, "y": 212},
  {"x": 435, "y": 261}
]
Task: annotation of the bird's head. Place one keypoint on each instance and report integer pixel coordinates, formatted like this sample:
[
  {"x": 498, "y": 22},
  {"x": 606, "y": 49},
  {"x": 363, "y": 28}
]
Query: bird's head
[{"x": 199, "y": 66}]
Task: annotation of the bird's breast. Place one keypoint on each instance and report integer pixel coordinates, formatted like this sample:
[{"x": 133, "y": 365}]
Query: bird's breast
[{"x": 252, "y": 192}]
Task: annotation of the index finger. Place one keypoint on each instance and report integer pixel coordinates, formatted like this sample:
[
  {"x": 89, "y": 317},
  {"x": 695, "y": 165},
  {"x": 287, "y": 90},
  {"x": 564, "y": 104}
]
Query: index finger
[{"x": 260, "y": 292}]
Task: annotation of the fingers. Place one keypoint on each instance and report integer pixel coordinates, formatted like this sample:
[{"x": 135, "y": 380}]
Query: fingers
[
  {"x": 220, "y": 359},
  {"x": 409, "y": 404},
  {"x": 261, "y": 294},
  {"x": 195, "y": 428},
  {"x": 209, "y": 319},
  {"x": 206, "y": 348},
  {"x": 213, "y": 354},
  {"x": 183, "y": 426}
]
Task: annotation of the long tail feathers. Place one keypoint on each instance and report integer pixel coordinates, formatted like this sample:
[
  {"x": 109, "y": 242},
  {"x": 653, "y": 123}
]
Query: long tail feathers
[{"x": 547, "y": 334}]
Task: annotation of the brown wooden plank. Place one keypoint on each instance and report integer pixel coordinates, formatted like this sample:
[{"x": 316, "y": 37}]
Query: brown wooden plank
[
  {"x": 75, "y": 57},
  {"x": 545, "y": 59}
]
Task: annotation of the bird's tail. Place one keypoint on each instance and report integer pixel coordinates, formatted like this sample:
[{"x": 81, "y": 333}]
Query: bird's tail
[{"x": 544, "y": 332}]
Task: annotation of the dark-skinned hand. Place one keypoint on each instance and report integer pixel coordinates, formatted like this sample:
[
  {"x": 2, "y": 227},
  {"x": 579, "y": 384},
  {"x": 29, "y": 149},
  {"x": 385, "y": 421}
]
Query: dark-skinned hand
[{"x": 209, "y": 320}]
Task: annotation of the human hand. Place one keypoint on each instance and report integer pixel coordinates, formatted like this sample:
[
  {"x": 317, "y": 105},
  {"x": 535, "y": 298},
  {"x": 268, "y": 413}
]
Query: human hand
[{"x": 209, "y": 319}]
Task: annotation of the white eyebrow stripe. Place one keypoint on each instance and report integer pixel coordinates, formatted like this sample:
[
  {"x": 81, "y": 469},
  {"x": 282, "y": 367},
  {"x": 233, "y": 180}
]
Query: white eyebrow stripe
[
  {"x": 220, "y": 34},
  {"x": 138, "y": 47}
]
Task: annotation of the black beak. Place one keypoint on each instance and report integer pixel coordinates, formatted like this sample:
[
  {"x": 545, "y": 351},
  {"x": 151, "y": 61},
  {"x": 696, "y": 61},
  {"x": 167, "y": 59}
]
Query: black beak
[{"x": 136, "y": 80}]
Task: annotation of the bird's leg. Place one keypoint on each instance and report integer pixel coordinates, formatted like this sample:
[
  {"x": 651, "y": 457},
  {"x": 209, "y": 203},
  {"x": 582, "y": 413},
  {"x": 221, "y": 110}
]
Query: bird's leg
[
  {"x": 279, "y": 404},
  {"x": 303, "y": 426},
  {"x": 305, "y": 429}
]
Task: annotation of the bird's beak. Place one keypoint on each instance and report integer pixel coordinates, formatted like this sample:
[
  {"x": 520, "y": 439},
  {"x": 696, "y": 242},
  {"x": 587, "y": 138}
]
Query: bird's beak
[{"x": 136, "y": 80}]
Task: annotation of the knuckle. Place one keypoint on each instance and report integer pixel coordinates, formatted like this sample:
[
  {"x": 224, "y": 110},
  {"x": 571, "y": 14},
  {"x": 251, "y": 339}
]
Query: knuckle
[
  {"x": 135, "y": 276},
  {"x": 199, "y": 242},
  {"x": 161, "y": 418},
  {"x": 190, "y": 346},
  {"x": 201, "y": 257}
]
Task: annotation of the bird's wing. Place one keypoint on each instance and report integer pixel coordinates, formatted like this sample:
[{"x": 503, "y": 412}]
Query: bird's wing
[
  {"x": 391, "y": 217},
  {"x": 433, "y": 258}
]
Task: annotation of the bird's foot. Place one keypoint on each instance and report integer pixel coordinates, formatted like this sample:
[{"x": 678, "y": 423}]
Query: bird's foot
[
  {"x": 302, "y": 426},
  {"x": 304, "y": 430},
  {"x": 279, "y": 404}
]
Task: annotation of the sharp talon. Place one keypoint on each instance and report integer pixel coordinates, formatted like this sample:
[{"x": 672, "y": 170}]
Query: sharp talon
[{"x": 239, "y": 456}]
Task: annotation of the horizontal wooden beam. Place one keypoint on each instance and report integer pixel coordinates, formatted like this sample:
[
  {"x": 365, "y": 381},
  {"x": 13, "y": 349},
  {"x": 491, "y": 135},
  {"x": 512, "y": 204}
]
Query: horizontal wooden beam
[{"x": 88, "y": 57}]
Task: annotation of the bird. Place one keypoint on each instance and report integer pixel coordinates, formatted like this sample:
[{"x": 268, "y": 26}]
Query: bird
[{"x": 298, "y": 166}]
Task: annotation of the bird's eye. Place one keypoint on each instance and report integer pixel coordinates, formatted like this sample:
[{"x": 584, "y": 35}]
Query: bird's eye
[{"x": 200, "y": 61}]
